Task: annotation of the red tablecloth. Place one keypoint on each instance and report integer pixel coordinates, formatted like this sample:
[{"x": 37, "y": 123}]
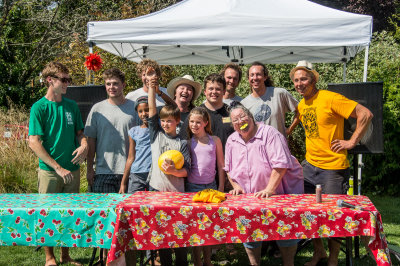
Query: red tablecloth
[{"x": 154, "y": 220}]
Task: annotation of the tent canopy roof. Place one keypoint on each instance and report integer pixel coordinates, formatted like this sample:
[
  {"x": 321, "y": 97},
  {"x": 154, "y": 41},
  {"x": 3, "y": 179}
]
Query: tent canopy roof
[{"x": 242, "y": 31}]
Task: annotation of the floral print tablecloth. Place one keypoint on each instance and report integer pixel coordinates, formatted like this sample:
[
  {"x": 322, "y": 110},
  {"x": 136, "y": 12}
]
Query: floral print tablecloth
[
  {"x": 68, "y": 220},
  {"x": 154, "y": 220}
]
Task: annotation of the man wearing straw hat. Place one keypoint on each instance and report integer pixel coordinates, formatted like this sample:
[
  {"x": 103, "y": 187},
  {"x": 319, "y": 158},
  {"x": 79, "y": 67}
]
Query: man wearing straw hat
[{"x": 322, "y": 114}]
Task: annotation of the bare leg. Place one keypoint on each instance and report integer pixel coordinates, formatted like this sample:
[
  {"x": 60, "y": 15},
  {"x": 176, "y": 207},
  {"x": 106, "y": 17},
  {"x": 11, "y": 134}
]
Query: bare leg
[
  {"x": 334, "y": 249},
  {"x": 207, "y": 255},
  {"x": 288, "y": 254},
  {"x": 50, "y": 259},
  {"x": 65, "y": 258},
  {"x": 319, "y": 252},
  {"x": 197, "y": 256},
  {"x": 254, "y": 255}
]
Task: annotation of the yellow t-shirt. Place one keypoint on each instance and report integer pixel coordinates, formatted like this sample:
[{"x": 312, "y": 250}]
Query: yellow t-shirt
[{"x": 323, "y": 121}]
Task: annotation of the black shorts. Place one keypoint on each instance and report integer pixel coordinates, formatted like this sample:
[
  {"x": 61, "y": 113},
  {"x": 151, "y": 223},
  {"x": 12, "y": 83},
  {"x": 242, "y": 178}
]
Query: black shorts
[
  {"x": 107, "y": 183},
  {"x": 332, "y": 181}
]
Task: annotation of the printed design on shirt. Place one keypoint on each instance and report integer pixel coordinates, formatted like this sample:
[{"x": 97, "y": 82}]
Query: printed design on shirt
[
  {"x": 310, "y": 123},
  {"x": 68, "y": 116},
  {"x": 262, "y": 113}
]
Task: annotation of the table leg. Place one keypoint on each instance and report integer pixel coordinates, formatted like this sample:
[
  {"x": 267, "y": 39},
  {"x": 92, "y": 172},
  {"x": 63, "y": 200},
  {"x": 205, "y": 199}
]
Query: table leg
[
  {"x": 349, "y": 251},
  {"x": 357, "y": 247}
]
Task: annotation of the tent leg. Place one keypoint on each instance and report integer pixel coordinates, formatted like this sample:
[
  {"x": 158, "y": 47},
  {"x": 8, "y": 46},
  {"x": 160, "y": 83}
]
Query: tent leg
[
  {"x": 344, "y": 72},
  {"x": 359, "y": 157}
]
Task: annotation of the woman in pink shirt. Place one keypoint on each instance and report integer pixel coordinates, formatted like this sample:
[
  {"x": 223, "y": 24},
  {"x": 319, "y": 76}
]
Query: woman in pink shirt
[{"x": 258, "y": 160}]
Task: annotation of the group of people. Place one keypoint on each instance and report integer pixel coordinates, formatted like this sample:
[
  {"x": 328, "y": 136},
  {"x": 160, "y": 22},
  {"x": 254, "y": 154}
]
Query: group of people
[{"x": 245, "y": 139}]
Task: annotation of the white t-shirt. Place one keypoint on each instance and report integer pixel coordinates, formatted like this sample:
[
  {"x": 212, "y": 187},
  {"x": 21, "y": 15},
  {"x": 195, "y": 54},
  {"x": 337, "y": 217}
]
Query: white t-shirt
[
  {"x": 133, "y": 95},
  {"x": 109, "y": 125},
  {"x": 271, "y": 107},
  {"x": 236, "y": 98}
]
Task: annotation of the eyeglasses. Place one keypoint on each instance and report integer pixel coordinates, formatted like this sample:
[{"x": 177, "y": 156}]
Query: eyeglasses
[
  {"x": 238, "y": 120},
  {"x": 63, "y": 80}
]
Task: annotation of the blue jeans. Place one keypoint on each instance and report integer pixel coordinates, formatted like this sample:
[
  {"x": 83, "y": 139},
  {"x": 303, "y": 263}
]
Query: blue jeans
[{"x": 192, "y": 187}]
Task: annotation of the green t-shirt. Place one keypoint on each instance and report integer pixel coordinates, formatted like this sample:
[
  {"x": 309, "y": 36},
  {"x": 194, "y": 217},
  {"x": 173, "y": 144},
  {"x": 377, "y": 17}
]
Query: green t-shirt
[{"x": 57, "y": 123}]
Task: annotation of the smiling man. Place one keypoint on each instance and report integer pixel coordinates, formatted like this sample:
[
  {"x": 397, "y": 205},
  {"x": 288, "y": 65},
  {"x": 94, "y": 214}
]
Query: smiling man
[
  {"x": 267, "y": 103},
  {"x": 322, "y": 114},
  {"x": 232, "y": 74},
  {"x": 55, "y": 128},
  {"x": 107, "y": 129}
]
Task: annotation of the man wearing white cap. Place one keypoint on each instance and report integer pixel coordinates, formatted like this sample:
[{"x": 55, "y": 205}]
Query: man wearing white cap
[
  {"x": 322, "y": 114},
  {"x": 184, "y": 91}
]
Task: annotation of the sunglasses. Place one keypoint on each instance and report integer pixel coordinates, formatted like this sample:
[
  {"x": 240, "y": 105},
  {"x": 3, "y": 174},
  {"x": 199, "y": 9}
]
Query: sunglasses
[{"x": 63, "y": 80}]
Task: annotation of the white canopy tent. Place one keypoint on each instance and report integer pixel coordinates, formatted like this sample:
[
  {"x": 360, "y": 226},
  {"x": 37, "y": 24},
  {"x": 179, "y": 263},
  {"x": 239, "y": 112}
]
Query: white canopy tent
[{"x": 242, "y": 31}]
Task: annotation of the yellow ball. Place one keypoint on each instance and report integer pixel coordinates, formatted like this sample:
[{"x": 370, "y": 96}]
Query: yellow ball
[{"x": 175, "y": 156}]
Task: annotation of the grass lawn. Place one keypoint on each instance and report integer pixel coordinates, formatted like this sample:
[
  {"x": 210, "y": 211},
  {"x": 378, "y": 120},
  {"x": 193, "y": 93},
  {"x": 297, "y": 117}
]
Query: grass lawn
[{"x": 387, "y": 206}]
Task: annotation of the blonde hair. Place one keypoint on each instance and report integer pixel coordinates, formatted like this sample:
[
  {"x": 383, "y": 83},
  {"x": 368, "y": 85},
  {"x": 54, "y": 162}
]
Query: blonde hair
[
  {"x": 51, "y": 69},
  {"x": 206, "y": 118},
  {"x": 146, "y": 63}
]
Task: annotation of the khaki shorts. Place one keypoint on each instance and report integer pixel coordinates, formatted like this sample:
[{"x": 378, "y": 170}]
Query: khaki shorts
[{"x": 51, "y": 182}]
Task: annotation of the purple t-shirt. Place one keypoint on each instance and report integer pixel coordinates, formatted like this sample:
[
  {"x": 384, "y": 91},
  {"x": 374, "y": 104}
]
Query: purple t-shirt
[
  {"x": 250, "y": 164},
  {"x": 204, "y": 157}
]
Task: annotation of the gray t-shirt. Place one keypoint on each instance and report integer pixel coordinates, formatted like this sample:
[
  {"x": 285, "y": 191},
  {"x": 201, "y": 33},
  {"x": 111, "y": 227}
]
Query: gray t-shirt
[
  {"x": 230, "y": 100},
  {"x": 109, "y": 125},
  {"x": 133, "y": 95},
  {"x": 160, "y": 143},
  {"x": 271, "y": 107}
]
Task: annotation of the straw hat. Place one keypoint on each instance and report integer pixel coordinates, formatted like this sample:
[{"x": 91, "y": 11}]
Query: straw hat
[
  {"x": 304, "y": 65},
  {"x": 187, "y": 79}
]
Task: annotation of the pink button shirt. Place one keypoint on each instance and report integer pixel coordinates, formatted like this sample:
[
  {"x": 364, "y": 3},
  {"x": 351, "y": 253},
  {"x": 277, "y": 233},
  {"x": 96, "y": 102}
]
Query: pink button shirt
[{"x": 250, "y": 164}]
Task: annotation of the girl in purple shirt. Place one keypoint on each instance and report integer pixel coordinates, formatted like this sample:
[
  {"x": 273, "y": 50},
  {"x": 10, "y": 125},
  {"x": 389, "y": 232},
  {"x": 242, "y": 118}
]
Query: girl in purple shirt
[{"x": 206, "y": 152}]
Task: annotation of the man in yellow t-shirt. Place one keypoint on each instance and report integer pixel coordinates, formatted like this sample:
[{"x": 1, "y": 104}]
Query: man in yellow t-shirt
[{"x": 322, "y": 114}]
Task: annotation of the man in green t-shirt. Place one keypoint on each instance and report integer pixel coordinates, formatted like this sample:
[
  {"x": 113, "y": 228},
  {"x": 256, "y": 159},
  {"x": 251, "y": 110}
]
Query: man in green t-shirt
[{"x": 56, "y": 136}]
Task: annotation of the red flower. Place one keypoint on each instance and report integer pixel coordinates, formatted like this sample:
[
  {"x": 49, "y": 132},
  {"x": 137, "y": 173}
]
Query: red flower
[
  {"x": 17, "y": 220},
  {"x": 93, "y": 62}
]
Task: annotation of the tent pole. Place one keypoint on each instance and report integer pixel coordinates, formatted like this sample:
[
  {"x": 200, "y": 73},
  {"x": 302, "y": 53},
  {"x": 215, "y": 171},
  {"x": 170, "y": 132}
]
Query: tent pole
[
  {"x": 89, "y": 73},
  {"x": 360, "y": 162},
  {"x": 344, "y": 72},
  {"x": 90, "y": 47}
]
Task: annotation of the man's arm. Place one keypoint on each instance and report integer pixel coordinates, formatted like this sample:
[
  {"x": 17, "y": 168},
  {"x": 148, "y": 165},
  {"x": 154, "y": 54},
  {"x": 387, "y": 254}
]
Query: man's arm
[
  {"x": 36, "y": 145},
  {"x": 90, "y": 160},
  {"x": 363, "y": 116},
  {"x": 128, "y": 165},
  {"x": 295, "y": 122},
  {"x": 82, "y": 150}
]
